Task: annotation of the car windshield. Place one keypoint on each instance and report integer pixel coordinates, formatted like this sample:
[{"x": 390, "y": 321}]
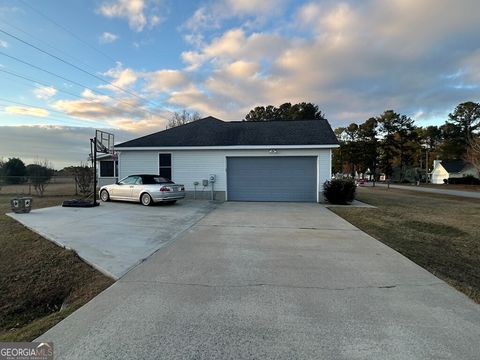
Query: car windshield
[{"x": 152, "y": 180}]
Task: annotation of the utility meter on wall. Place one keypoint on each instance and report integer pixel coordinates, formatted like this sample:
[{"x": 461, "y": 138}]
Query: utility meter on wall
[{"x": 212, "y": 178}]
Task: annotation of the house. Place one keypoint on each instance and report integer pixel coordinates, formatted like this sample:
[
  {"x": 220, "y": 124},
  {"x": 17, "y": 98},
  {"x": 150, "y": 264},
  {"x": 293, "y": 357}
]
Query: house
[
  {"x": 444, "y": 170},
  {"x": 237, "y": 160}
]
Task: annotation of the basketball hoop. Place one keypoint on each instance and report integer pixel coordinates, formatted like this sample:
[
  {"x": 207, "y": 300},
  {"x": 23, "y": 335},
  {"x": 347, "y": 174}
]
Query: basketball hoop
[{"x": 104, "y": 142}]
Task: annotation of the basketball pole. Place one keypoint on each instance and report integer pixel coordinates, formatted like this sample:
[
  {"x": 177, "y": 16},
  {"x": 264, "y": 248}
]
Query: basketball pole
[{"x": 95, "y": 171}]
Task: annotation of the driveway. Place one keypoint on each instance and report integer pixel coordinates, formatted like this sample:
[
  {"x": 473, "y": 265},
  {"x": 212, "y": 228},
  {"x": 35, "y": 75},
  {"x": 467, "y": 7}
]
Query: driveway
[
  {"x": 273, "y": 281},
  {"x": 114, "y": 237}
]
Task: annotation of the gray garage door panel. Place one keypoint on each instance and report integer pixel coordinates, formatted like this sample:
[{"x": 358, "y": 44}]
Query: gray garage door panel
[{"x": 288, "y": 178}]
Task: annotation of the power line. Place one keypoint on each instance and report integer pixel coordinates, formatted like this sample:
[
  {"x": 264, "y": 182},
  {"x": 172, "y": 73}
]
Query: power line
[
  {"x": 31, "y": 106},
  {"x": 36, "y": 107},
  {"x": 38, "y": 82},
  {"x": 48, "y": 44},
  {"x": 73, "y": 82},
  {"x": 72, "y": 65},
  {"x": 50, "y": 117},
  {"x": 68, "y": 31}
]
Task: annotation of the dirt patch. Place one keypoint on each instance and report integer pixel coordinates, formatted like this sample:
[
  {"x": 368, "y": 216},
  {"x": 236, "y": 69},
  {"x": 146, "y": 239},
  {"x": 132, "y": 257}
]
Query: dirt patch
[
  {"x": 40, "y": 283},
  {"x": 440, "y": 233}
]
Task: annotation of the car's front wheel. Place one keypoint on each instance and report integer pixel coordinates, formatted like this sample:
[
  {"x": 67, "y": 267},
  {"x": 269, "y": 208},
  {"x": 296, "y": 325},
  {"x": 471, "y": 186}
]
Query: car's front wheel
[
  {"x": 104, "y": 195},
  {"x": 146, "y": 199}
]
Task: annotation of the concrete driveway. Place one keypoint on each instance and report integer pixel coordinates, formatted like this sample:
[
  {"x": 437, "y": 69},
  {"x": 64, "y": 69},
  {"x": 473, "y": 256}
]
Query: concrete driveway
[
  {"x": 273, "y": 281},
  {"x": 114, "y": 237}
]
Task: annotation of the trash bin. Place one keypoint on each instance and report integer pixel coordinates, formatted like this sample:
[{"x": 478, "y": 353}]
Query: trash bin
[{"x": 21, "y": 205}]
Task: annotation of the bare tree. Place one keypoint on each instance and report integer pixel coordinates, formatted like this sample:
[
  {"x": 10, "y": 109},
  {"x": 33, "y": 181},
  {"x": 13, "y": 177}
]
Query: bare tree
[
  {"x": 473, "y": 151},
  {"x": 182, "y": 118},
  {"x": 39, "y": 174},
  {"x": 2, "y": 163},
  {"x": 83, "y": 175}
]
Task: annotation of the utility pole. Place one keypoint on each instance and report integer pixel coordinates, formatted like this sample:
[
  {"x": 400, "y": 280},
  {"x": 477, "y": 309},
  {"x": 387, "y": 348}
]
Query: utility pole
[{"x": 426, "y": 147}]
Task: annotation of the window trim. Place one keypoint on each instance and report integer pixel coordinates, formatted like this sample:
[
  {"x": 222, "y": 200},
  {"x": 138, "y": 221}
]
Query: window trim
[{"x": 171, "y": 162}]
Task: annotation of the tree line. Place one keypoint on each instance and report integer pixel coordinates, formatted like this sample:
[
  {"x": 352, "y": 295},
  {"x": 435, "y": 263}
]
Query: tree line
[
  {"x": 39, "y": 174},
  {"x": 392, "y": 144},
  {"x": 14, "y": 171}
]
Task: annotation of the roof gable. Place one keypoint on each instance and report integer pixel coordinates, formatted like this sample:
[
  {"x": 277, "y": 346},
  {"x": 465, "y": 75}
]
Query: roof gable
[
  {"x": 211, "y": 131},
  {"x": 454, "y": 166}
]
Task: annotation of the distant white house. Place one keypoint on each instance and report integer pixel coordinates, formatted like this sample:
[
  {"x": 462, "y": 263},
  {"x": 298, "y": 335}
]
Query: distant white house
[{"x": 444, "y": 170}]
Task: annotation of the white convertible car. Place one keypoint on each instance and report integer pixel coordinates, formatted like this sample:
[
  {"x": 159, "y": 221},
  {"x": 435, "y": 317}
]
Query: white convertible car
[{"x": 147, "y": 189}]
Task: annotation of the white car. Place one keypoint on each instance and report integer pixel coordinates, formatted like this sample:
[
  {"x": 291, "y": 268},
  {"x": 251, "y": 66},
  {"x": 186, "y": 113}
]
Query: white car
[{"x": 147, "y": 189}]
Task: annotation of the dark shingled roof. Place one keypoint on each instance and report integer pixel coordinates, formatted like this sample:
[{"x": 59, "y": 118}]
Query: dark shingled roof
[
  {"x": 454, "y": 166},
  {"x": 210, "y": 131}
]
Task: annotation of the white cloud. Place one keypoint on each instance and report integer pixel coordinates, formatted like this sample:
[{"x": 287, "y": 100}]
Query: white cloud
[
  {"x": 155, "y": 20},
  {"x": 146, "y": 125},
  {"x": 193, "y": 98},
  {"x": 27, "y": 111},
  {"x": 165, "y": 80},
  {"x": 124, "y": 113},
  {"x": 3, "y": 44},
  {"x": 95, "y": 107},
  {"x": 107, "y": 38},
  {"x": 45, "y": 92},
  {"x": 252, "y": 7},
  {"x": 121, "y": 78},
  {"x": 137, "y": 12},
  {"x": 242, "y": 69},
  {"x": 233, "y": 45},
  {"x": 352, "y": 59},
  {"x": 211, "y": 16}
]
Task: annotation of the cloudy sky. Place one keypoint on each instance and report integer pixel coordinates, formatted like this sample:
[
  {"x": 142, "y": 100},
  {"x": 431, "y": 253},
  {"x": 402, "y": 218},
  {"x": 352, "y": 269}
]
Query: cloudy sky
[{"x": 68, "y": 67}]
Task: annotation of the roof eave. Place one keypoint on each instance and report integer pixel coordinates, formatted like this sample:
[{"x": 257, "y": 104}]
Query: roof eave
[{"x": 228, "y": 147}]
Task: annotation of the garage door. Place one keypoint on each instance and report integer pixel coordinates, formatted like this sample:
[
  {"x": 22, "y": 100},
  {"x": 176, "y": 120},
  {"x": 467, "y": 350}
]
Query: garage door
[{"x": 272, "y": 178}]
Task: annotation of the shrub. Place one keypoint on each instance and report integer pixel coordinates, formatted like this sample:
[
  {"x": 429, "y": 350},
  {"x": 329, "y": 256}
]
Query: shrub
[
  {"x": 84, "y": 179},
  {"x": 339, "y": 191},
  {"x": 466, "y": 180},
  {"x": 14, "y": 171}
]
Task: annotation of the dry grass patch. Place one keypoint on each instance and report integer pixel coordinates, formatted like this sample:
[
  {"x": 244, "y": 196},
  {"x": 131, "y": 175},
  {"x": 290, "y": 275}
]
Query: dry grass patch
[
  {"x": 40, "y": 282},
  {"x": 439, "y": 233},
  {"x": 458, "y": 187}
]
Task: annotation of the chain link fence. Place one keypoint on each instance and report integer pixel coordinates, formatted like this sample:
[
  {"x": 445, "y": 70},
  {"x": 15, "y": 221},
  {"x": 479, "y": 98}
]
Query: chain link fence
[{"x": 54, "y": 186}]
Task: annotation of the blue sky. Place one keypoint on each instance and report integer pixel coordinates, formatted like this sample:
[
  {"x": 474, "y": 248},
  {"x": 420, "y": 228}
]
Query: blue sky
[{"x": 222, "y": 58}]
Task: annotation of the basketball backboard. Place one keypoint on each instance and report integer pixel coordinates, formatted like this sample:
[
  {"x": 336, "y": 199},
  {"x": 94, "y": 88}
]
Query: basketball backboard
[{"x": 104, "y": 142}]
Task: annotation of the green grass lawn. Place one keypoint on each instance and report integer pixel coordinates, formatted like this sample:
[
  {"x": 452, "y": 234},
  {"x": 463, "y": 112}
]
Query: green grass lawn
[
  {"x": 40, "y": 282},
  {"x": 439, "y": 233}
]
